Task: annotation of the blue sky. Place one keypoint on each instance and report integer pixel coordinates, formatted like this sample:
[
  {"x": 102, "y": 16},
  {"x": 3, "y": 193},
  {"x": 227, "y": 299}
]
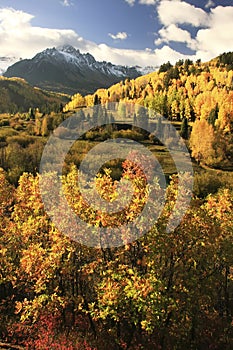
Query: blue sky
[{"x": 143, "y": 32}]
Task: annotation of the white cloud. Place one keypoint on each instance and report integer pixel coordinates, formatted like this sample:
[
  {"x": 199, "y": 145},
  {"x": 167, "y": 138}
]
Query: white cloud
[
  {"x": 167, "y": 54},
  {"x": 147, "y": 2},
  {"x": 137, "y": 57},
  {"x": 130, "y": 2},
  {"x": 119, "y": 36},
  {"x": 174, "y": 33},
  {"x": 218, "y": 37},
  {"x": 14, "y": 19},
  {"x": 215, "y": 36},
  {"x": 209, "y": 4},
  {"x": 66, "y": 3},
  {"x": 180, "y": 12},
  {"x": 18, "y": 37}
]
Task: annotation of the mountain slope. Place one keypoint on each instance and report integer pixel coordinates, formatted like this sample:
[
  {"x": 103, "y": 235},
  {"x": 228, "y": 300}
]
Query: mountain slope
[
  {"x": 65, "y": 69},
  {"x": 192, "y": 90},
  {"x": 16, "y": 95}
]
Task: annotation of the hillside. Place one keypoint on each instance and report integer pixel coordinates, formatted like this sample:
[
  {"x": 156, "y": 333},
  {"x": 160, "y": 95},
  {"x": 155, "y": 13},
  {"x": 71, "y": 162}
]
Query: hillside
[
  {"x": 16, "y": 95},
  {"x": 120, "y": 279},
  {"x": 196, "y": 96},
  {"x": 185, "y": 90},
  {"x": 65, "y": 69}
]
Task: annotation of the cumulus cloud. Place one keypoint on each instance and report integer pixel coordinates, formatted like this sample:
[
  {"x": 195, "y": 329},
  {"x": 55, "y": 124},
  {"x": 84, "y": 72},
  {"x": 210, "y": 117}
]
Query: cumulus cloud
[
  {"x": 137, "y": 57},
  {"x": 209, "y": 4},
  {"x": 174, "y": 33},
  {"x": 18, "y": 37},
  {"x": 130, "y": 2},
  {"x": 181, "y": 12},
  {"x": 218, "y": 37},
  {"x": 142, "y": 2},
  {"x": 66, "y": 3},
  {"x": 119, "y": 36},
  {"x": 147, "y": 2},
  {"x": 167, "y": 54},
  {"x": 214, "y": 33}
]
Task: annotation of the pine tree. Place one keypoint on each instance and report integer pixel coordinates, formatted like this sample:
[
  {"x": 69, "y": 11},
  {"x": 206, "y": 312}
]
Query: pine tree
[
  {"x": 184, "y": 131},
  {"x": 213, "y": 116},
  {"x": 96, "y": 100}
]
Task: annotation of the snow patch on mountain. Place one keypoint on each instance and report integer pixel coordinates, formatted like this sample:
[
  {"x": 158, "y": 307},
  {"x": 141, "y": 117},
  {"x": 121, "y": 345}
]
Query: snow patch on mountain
[
  {"x": 70, "y": 55},
  {"x": 66, "y": 69}
]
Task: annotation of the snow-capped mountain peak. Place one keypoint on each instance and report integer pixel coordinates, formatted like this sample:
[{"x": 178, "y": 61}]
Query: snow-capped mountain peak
[
  {"x": 66, "y": 69},
  {"x": 68, "y": 49}
]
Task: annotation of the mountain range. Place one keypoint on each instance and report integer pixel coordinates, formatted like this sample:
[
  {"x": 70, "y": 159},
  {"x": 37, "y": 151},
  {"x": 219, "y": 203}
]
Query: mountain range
[{"x": 65, "y": 69}]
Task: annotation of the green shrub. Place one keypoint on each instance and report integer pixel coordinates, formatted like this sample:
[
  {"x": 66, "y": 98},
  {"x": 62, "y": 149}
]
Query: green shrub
[{"x": 206, "y": 183}]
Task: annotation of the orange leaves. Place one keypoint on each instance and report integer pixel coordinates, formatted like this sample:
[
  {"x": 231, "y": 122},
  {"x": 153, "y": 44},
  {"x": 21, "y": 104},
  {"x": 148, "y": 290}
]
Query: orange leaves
[
  {"x": 6, "y": 194},
  {"x": 106, "y": 187},
  {"x": 202, "y": 142},
  {"x": 221, "y": 206},
  {"x": 225, "y": 115},
  {"x": 162, "y": 283}
]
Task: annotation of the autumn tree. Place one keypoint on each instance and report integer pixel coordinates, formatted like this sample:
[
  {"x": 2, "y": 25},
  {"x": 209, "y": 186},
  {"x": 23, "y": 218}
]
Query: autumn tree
[{"x": 202, "y": 141}]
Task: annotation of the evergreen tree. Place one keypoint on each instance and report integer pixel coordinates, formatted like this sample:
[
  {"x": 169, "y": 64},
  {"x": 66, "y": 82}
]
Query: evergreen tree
[
  {"x": 213, "y": 116},
  {"x": 31, "y": 113},
  {"x": 184, "y": 131},
  {"x": 165, "y": 67},
  {"x": 96, "y": 100}
]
